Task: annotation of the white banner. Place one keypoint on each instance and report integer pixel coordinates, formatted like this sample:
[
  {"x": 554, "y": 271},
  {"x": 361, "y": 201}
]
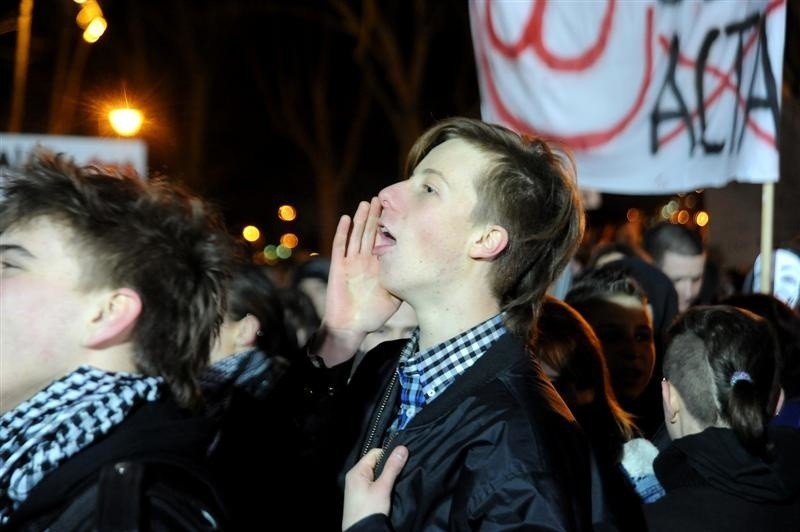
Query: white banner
[
  {"x": 128, "y": 156},
  {"x": 653, "y": 97}
]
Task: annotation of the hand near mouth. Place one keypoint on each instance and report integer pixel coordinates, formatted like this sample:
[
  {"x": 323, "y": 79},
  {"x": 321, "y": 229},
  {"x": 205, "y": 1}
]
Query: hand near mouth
[{"x": 355, "y": 303}]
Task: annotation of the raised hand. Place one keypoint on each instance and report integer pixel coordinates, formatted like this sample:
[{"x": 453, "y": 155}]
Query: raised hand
[{"x": 355, "y": 303}]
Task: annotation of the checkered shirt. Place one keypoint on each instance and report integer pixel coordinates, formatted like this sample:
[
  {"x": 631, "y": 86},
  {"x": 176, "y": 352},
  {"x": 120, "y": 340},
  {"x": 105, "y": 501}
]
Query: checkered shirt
[{"x": 424, "y": 375}]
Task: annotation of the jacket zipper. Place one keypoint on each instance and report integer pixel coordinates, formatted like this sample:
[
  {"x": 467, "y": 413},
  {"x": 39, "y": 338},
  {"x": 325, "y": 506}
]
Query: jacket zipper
[
  {"x": 376, "y": 421},
  {"x": 386, "y": 446}
]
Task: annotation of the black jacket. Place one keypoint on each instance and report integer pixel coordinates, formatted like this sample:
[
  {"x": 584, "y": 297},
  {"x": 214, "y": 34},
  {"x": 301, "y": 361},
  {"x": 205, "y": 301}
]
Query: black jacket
[
  {"x": 148, "y": 473},
  {"x": 498, "y": 449},
  {"x": 713, "y": 483},
  {"x": 252, "y": 465}
]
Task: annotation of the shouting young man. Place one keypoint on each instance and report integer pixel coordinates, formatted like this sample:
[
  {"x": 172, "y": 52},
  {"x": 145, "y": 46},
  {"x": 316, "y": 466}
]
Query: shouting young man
[{"x": 484, "y": 223}]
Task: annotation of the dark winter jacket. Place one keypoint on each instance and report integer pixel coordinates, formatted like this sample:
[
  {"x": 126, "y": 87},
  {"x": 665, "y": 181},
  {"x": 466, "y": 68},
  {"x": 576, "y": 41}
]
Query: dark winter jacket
[
  {"x": 498, "y": 449},
  {"x": 148, "y": 473},
  {"x": 713, "y": 483},
  {"x": 249, "y": 455}
]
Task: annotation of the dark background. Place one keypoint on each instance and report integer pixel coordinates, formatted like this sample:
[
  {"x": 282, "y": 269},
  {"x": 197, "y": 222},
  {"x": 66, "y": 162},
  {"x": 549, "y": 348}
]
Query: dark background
[{"x": 254, "y": 104}]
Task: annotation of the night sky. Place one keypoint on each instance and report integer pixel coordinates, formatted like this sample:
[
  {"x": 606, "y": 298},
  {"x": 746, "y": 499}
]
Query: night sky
[{"x": 226, "y": 84}]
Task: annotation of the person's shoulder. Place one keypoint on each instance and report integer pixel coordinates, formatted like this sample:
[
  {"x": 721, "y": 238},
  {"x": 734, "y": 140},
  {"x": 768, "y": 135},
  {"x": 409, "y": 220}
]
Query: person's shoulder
[
  {"x": 137, "y": 495},
  {"x": 150, "y": 469},
  {"x": 531, "y": 415},
  {"x": 166, "y": 472}
]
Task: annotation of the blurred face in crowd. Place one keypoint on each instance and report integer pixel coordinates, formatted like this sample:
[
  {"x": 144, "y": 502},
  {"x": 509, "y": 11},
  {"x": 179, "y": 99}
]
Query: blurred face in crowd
[
  {"x": 234, "y": 337},
  {"x": 43, "y": 310},
  {"x": 686, "y": 273},
  {"x": 625, "y": 329},
  {"x": 400, "y": 325},
  {"x": 426, "y": 230}
]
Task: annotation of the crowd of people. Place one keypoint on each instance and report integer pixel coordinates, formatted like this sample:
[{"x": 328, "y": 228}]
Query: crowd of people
[{"x": 449, "y": 367}]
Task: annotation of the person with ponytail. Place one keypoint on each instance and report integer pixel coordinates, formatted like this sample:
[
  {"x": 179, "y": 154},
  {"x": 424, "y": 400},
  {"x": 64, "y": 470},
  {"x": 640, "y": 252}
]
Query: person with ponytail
[{"x": 725, "y": 468}]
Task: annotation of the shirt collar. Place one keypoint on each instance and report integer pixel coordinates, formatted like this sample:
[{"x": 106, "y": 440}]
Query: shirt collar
[{"x": 439, "y": 365}]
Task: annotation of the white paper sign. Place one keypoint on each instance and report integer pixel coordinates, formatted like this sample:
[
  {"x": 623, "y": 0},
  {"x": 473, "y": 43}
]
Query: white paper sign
[{"x": 128, "y": 156}]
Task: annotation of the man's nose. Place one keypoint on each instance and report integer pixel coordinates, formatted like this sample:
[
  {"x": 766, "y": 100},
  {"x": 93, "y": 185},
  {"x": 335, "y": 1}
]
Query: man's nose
[{"x": 388, "y": 195}]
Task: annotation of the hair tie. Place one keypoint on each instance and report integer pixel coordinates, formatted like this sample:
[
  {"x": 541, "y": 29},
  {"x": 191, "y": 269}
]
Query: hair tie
[{"x": 740, "y": 376}]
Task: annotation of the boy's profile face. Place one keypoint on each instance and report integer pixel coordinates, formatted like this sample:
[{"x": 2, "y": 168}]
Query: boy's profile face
[
  {"x": 624, "y": 327},
  {"x": 42, "y": 308},
  {"x": 426, "y": 229}
]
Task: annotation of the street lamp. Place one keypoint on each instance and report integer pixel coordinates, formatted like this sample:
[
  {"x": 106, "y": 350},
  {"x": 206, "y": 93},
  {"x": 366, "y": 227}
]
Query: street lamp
[
  {"x": 125, "y": 121},
  {"x": 90, "y": 19},
  {"x": 95, "y": 30}
]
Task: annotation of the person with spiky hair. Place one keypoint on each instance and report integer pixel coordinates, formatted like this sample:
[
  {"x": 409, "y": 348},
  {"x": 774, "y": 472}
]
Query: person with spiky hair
[{"x": 111, "y": 291}]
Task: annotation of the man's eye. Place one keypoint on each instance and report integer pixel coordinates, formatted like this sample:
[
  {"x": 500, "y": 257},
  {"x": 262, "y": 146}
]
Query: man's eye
[{"x": 428, "y": 189}]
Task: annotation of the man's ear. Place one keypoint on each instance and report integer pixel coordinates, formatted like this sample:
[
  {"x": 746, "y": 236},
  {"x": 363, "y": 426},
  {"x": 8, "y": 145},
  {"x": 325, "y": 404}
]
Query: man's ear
[
  {"x": 489, "y": 243},
  {"x": 114, "y": 318},
  {"x": 247, "y": 330},
  {"x": 672, "y": 405}
]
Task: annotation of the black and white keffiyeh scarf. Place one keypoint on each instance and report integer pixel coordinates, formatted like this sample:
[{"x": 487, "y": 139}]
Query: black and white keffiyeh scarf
[
  {"x": 251, "y": 371},
  {"x": 43, "y": 432}
]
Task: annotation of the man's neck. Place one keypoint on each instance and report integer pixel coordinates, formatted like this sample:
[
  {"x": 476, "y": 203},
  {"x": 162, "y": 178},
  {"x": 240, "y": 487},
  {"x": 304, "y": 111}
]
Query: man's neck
[
  {"x": 114, "y": 359},
  {"x": 440, "y": 322}
]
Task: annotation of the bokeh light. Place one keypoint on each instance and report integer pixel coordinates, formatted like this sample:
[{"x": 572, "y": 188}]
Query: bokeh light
[
  {"x": 251, "y": 233},
  {"x": 88, "y": 13},
  {"x": 271, "y": 252},
  {"x": 668, "y": 211},
  {"x": 701, "y": 218},
  {"x": 683, "y": 216},
  {"x": 283, "y": 252},
  {"x": 287, "y": 213},
  {"x": 290, "y": 240},
  {"x": 95, "y": 30}
]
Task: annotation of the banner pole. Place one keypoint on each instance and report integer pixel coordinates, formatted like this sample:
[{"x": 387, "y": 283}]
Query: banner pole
[{"x": 767, "y": 216}]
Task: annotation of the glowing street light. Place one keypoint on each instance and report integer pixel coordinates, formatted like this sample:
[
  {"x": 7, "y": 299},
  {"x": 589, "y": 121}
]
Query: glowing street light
[
  {"x": 95, "y": 30},
  {"x": 125, "y": 121},
  {"x": 90, "y": 19}
]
